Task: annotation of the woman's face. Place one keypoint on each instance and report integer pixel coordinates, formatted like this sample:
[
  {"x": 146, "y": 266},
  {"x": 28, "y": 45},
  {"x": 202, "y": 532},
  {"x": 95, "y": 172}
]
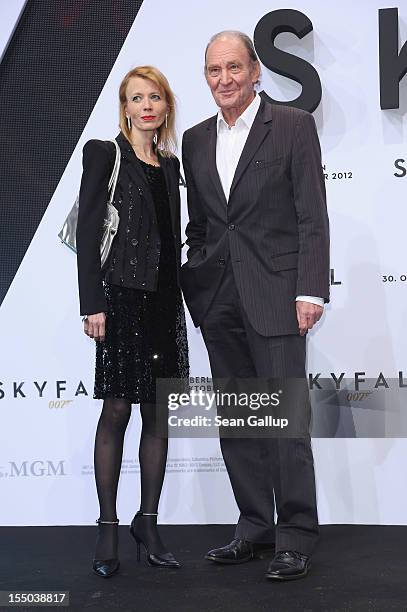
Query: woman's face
[{"x": 146, "y": 104}]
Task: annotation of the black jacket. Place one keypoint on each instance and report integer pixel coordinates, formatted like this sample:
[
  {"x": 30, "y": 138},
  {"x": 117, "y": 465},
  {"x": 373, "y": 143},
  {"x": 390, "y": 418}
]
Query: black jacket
[
  {"x": 133, "y": 260},
  {"x": 274, "y": 226}
]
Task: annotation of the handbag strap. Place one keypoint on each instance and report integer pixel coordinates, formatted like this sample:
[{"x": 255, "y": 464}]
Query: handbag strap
[{"x": 115, "y": 172}]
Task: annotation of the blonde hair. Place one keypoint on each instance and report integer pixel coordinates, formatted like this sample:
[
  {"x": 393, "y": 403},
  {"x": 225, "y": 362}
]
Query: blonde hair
[{"x": 166, "y": 138}]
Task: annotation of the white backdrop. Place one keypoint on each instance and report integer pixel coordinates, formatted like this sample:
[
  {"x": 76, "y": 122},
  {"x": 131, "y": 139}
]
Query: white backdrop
[
  {"x": 9, "y": 15},
  {"x": 46, "y": 450}
]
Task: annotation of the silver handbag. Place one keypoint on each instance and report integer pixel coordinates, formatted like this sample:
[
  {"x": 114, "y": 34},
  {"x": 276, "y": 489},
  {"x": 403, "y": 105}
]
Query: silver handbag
[{"x": 111, "y": 222}]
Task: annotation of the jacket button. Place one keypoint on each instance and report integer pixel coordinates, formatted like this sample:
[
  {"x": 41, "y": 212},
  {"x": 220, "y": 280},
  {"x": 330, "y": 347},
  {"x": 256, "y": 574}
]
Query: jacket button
[
  {"x": 134, "y": 242},
  {"x": 221, "y": 261},
  {"x": 231, "y": 227},
  {"x": 133, "y": 261}
]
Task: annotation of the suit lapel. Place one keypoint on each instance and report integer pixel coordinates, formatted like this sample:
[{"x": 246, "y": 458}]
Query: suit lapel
[
  {"x": 136, "y": 173},
  {"x": 211, "y": 157},
  {"x": 258, "y": 132},
  {"x": 166, "y": 166},
  {"x": 133, "y": 166}
]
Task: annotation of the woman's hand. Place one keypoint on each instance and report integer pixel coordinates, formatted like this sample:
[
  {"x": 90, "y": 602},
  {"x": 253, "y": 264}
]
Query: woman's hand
[{"x": 94, "y": 326}]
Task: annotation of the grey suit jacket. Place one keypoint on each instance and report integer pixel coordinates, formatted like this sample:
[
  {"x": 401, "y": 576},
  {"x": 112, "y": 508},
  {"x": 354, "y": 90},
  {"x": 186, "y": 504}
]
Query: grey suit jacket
[{"x": 274, "y": 227}]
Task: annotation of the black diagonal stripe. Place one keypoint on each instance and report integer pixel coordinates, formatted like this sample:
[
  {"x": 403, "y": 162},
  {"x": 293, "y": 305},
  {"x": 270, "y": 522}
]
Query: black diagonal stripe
[{"x": 50, "y": 78}]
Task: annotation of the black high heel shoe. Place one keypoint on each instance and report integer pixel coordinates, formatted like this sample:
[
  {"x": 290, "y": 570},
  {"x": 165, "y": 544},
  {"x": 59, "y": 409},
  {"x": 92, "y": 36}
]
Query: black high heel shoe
[
  {"x": 106, "y": 567},
  {"x": 162, "y": 559}
]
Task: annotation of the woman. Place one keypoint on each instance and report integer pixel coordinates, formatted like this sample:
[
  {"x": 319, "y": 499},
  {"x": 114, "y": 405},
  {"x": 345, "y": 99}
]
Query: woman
[{"x": 133, "y": 306}]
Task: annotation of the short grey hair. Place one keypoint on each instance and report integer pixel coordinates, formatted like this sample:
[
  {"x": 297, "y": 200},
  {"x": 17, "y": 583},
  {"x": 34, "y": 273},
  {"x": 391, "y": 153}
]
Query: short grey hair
[{"x": 246, "y": 40}]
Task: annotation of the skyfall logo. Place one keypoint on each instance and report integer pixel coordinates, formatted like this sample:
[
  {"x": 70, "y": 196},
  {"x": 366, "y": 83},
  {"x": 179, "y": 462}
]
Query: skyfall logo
[
  {"x": 359, "y": 381},
  {"x": 392, "y": 61},
  {"x": 41, "y": 389},
  {"x": 34, "y": 468}
]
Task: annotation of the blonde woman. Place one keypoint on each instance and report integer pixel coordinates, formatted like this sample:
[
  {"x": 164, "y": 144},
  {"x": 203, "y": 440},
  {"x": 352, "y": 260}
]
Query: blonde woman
[{"x": 133, "y": 306}]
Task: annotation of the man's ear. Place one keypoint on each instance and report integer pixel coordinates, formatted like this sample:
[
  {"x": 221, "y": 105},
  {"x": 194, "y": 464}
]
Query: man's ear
[{"x": 256, "y": 72}]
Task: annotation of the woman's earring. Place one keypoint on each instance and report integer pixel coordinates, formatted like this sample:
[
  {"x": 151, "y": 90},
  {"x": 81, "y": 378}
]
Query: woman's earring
[
  {"x": 128, "y": 122},
  {"x": 166, "y": 120},
  {"x": 155, "y": 139}
]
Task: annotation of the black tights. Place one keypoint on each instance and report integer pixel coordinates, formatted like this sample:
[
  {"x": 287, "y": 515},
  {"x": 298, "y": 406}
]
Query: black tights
[{"x": 110, "y": 432}]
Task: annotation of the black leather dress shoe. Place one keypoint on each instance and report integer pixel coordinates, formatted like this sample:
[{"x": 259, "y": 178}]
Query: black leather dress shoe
[
  {"x": 238, "y": 551},
  {"x": 288, "y": 565}
]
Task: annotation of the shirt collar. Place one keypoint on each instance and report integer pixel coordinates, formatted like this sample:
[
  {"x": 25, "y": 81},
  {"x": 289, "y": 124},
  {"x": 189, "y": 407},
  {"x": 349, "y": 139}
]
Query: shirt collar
[{"x": 247, "y": 117}]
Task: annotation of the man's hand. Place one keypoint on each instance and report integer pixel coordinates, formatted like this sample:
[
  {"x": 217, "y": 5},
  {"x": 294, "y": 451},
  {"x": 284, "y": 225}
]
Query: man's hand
[
  {"x": 94, "y": 326},
  {"x": 307, "y": 315}
]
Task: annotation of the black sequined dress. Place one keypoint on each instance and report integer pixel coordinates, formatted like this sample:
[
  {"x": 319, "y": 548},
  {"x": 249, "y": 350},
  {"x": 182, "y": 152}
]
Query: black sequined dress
[{"x": 146, "y": 334}]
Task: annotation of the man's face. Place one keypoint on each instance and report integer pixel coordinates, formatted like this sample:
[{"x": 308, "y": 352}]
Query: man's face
[{"x": 230, "y": 73}]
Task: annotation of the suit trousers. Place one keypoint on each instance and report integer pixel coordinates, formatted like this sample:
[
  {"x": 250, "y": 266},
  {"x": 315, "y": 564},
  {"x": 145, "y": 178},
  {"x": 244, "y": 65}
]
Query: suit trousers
[{"x": 266, "y": 474}]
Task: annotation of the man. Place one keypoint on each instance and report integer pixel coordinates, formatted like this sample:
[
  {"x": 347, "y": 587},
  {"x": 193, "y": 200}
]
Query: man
[{"x": 256, "y": 280}]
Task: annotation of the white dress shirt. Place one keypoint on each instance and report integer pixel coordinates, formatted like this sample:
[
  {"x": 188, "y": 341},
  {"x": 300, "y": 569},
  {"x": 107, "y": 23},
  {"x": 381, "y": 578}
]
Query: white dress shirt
[{"x": 229, "y": 146}]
